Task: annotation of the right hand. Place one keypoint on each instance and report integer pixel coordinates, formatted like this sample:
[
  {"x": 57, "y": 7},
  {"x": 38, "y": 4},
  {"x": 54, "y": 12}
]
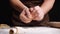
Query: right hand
[
  {"x": 25, "y": 16},
  {"x": 37, "y": 13}
]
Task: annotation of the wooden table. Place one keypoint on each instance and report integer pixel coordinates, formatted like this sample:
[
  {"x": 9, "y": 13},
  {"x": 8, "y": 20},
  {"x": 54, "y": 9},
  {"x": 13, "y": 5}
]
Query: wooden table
[{"x": 53, "y": 24}]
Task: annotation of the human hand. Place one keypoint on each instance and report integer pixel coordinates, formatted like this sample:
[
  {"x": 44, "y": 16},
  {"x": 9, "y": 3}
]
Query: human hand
[
  {"x": 37, "y": 13},
  {"x": 26, "y": 16}
]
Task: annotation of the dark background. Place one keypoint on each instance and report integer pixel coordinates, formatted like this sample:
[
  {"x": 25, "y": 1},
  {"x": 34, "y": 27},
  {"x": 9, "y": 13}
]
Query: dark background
[
  {"x": 54, "y": 14},
  {"x": 5, "y": 11}
]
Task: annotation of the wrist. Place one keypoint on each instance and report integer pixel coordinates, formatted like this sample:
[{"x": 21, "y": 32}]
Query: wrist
[
  {"x": 25, "y": 7},
  {"x": 44, "y": 10}
]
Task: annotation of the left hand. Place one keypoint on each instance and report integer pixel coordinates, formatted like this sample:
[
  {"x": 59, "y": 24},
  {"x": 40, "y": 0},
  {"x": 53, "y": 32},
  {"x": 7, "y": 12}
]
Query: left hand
[
  {"x": 37, "y": 13},
  {"x": 26, "y": 16}
]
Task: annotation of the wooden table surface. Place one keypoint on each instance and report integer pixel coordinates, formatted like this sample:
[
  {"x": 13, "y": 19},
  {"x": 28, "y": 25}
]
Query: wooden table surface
[{"x": 54, "y": 24}]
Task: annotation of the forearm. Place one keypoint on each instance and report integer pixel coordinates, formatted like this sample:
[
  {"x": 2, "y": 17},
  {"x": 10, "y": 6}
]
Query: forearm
[
  {"x": 17, "y": 4},
  {"x": 47, "y": 5}
]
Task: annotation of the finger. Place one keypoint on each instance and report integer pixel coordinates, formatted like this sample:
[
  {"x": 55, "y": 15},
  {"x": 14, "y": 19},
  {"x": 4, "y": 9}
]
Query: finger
[
  {"x": 36, "y": 7},
  {"x": 25, "y": 19},
  {"x": 27, "y": 11},
  {"x": 39, "y": 17},
  {"x": 23, "y": 12},
  {"x": 34, "y": 12},
  {"x": 28, "y": 14},
  {"x": 31, "y": 9},
  {"x": 22, "y": 15}
]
